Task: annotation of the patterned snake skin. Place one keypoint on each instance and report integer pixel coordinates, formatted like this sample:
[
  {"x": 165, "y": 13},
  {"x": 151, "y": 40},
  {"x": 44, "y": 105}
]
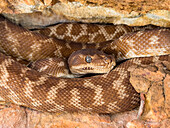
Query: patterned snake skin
[{"x": 108, "y": 93}]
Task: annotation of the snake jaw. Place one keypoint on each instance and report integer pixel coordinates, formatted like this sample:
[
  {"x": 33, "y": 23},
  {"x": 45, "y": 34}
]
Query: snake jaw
[{"x": 87, "y": 68}]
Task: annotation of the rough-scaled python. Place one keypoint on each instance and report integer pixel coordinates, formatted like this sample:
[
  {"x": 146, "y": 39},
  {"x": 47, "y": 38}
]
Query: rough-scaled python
[{"x": 108, "y": 93}]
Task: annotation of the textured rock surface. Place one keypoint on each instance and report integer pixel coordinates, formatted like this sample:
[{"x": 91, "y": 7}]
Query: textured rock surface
[
  {"x": 18, "y": 117},
  {"x": 127, "y": 6},
  {"x": 167, "y": 94},
  {"x": 36, "y": 20},
  {"x": 138, "y": 13},
  {"x": 154, "y": 82}
]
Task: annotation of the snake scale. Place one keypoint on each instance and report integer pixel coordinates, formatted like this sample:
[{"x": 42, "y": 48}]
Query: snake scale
[{"x": 107, "y": 93}]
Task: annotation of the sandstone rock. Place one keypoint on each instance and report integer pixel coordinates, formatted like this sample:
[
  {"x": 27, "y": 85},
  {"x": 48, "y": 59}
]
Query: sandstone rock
[
  {"x": 154, "y": 82},
  {"x": 138, "y": 13},
  {"x": 127, "y": 6},
  {"x": 135, "y": 124},
  {"x": 121, "y": 119},
  {"x": 36, "y": 20},
  {"x": 150, "y": 124},
  {"x": 167, "y": 94},
  {"x": 19, "y": 117},
  {"x": 144, "y": 76},
  {"x": 14, "y": 117},
  {"x": 154, "y": 103}
]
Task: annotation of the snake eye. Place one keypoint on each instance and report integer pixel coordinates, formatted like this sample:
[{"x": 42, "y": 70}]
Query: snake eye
[{"x": 88, "y": 59}]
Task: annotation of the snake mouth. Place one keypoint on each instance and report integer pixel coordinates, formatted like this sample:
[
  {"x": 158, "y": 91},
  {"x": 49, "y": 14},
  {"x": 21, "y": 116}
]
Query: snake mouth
[{"x": 87, "y": 68}]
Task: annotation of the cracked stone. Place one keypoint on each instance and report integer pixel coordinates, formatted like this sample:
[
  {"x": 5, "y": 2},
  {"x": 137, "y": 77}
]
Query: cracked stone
[
  {"x": 155, "y": 84},
  {"x": 20, "y": 117},
  {"x": 138, "y": 13},
  {"x": 167, "y": 94}
]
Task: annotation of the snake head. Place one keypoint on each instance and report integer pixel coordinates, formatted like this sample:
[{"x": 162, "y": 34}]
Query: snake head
[{"x": 90, "y": 61}]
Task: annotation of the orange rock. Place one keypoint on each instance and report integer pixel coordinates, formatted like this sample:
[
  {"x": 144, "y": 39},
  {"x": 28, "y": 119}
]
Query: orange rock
[
  {"x": 167, "y": 94},
  {"x": 14, "y": 117},
  {"x": 154, "y": 104},
  {"x": 135, "y": 124},
  {"x": 154, "y": 81},
  {"x": 107, "y": 11},
  {"x": 19, "y": 117},
  {"x": 121, "y": 119},
  {"x": 128, "y": 5}
]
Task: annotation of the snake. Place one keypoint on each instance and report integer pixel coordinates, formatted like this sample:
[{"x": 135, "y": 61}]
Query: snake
[
  {"x": 79, "y": 63},
  {"x": 106, "y": 93}
]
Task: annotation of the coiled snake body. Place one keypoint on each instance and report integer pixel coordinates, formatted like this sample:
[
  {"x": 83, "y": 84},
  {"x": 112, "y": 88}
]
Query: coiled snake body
[{"x": 108, "y": 93}]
